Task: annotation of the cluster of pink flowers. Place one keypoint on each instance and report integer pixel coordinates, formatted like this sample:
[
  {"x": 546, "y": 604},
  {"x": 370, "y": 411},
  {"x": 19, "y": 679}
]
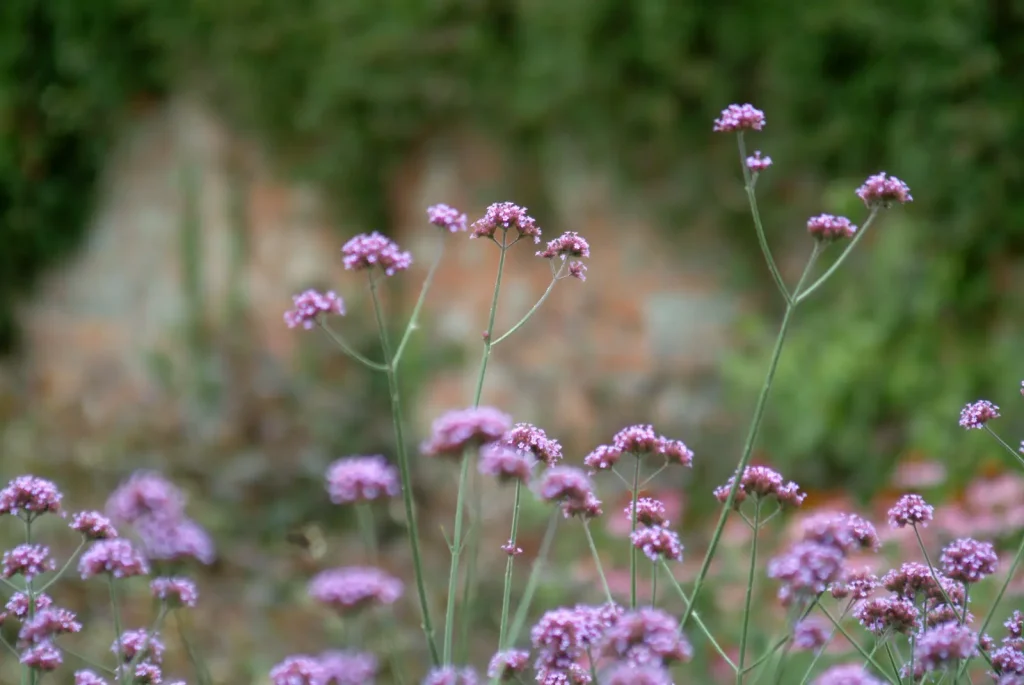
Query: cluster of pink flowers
[
  {"x": 310, "y": 306},
  {"x": 640, "y": 441},
  {"x": 761, "y": 482},
  {"x": 505, "y": 216},
  {"x": 30, "y": 497},
  {"x": 369, "y": 250},
  {"x": 362, "y": 479},
  {"x": 977, "y": 414},
  {"x": 354, "y": 588},
  {"x": 828, "y": 227}
]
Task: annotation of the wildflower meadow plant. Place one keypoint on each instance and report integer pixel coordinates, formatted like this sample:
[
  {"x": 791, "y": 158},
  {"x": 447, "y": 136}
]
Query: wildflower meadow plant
[{"x": 910, "y": 623}]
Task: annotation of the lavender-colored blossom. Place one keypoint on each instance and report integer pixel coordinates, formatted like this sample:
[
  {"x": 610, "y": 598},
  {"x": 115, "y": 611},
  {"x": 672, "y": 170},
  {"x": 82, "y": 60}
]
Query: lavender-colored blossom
[
  {"x": 506, "y": 463},
  {"x": 451, "y": 675},
  {"x": 508, "y": 664},
  {"x": 31, "y": 495},
  {"x": 882, "y": 615},
  {"x": 511, "y": 549},
  {"x": 353, "y": 588},
  {"x": 570, "y": 244},
  {"x": 564, "y": 483},
  {"x": 93, "y": 525},
  {"x": 17, "y": 605},
  {"x": 46, "y": 624},
  {"x": 175, "y": 591},
  {"x": 627, "y": 674},
  {"x": 828, "y": 227},
  {"x": 344, "y": 667},
  {"x": 147, "y": 673},
  {"x": 855, "y": 584},
  {"x": 587, "y": 509},
  {"x": 640, "y": 440},
  {"x": 910, "y": 510},
  {"x": 882, "y": 190},
  {"x": 1015, "y": 624},
  {"x": 649, "y": 512},
  {"x": 657, "y": 543},
  {"x": 846, "y": 532},
  {"x": 457, "y": 431},
  {"x": 297, "y": 669},
  {"x": 913, "y": 578},
  {"x": 310, "y": 305},
  {"x": 368, "y": 250},
  {"x": 846, "y": 674},
  {"x": 810, "y": 634},
  {"x": 966, "y": 560},
  {"x": 571, "y": 631},
  {"x": 578, "y": 270},
  {"x": 362, "y": 479},
  {"x": 87, "y": 677},
  {"x": 117, "y": 557},
  {"x": 1008, "y": 660},
  {"x": 146, "y": 494},
  {"x": 739, "y": 118},
  {"x": 175, "y": 540},
  {"x": 603, "y": 458},
  {"x": 43, "y": 656},
  {"x": 529, "y": 438},
  {"x": 504, "y": 216},
  {"x": 806, "y": 570},
  {"x": 944, "y": 646},
  {"x": 133, "y": 642},
  {"x": 567, "y": 674},
  {"x": 977, "y": 414},
  {"x": 27, "y": 561},
  {"x": 761, "y": 482},
  {"x": 757, "y": 163},
  {"x": 646, "y": 636},
  {"x": 448, "y": 218}
]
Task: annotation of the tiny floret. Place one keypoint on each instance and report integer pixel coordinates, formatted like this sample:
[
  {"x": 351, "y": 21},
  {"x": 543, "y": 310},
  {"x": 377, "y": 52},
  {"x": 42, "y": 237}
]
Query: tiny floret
[
  {"x": 910, "y": 510},
  {"x": 362, "y": 479},
  {"x": 570, "y": 244},
  {"x": 448, "y": 218},
  {"x": 578, "y": 270},
  {"x": 977, "y": 414},
  {"x": 30, "y": 496},
  {"x": 739, "y": 118},
  {"x": 368, "y": 250},
  {"x": 310, "y": 305},
  {"x": 828, "y": 227},
  {"x": 757, "y": 163},
  {"x": 455, "y": 432},
  {"x": 881, "y": 190},
  {"x": 504, "y": 216}
]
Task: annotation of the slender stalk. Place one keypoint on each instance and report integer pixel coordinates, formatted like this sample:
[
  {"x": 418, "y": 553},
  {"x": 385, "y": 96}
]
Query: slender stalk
[
  {"x": 801, "y": 296},
  {"x": 1015, "y": 453},
  {"x": 456, "y": 550},
  {"x": 403, "y": 467},
  {"x": 414, "y": 317},
  {"x": 935, "y": 577},
  {"x": 761, "y": 238},
  {"x": 892, "y": 662},
  {"x": 750, "y": 591},
  {"x": 632, "y": 529},
  {"x": 367, "y": 529},
  {"x": 531, "y": 585},
  {"x": 506, "y": 597},
  {"x": 654, "y": 584},
  {"x": 530, "y": 313},
  {"x": 696, "y": 618},
  {"x": 63, "y": 568},
  {"x": 348, "y": 349},
  {"x": 1002, "y": 590},
  {"x": 116, "y": 610},
  {"x": 488, "y": 344},
  {"x": 860, "y": 650},
  {"x": 597, "y": 562}
]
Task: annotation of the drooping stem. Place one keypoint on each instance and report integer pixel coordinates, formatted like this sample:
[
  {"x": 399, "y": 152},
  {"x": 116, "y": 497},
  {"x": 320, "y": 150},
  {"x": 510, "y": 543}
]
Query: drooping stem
[
  {"x": 750, "y": 590},
  {"x": 404, "y": 472},
  {"x": 597, "y": 562},
  {"x": 456, "y": 550},
  {"x": 761, "y": 238},
  {"x": 507, "y": 593},
  {"x": 632, "y": 529}
]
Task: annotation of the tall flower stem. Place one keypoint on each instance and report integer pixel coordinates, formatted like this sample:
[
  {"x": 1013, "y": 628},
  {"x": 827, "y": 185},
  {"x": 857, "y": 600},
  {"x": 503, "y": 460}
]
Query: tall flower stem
[
  {"x": 868, "y": 656},
  {"x": 799, "y": 296},
  {"x": 632, "y": 529},
  {"x": 750, "y": 590},
  {"x": 456, "y": 549},
  {"x": 597, "y": 562},
  {"x": 696, "y": 618},
  {"x": 519, "y": 619},
  {"x": 116, "y": 611},
  {"x": 414, "y": 318},
  {"x": 507, "y": 593},
  {"x": 761, "y": 238},
  {"x": 367, "y": 529},
  {"x": 403, "y": 467},
  {"x": 1002, "y": 442}
]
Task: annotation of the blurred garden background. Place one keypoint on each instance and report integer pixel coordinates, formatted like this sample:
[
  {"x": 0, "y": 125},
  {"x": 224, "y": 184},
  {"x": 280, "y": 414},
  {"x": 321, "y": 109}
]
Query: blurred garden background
[{"x": 172, "y": 172}]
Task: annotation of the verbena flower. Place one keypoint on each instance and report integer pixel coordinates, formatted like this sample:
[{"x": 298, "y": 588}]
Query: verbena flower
[
  {"x": 1008, "y": 660},
  {"x": 810, "y": 634},
  {"x": 846, "y": 532},
  {"x": 627, "y": 674},
  {"x": 739, "y": 118},
  {"x": 43, "y": 656},
  {"x": 175, "y": 539},
  {"x": 368, "y": 250},
  {"x": 578, "y": 270},
  {"x": 505, "y": 216},
  {"x": 457, "y": 431},
  {"x": 134, "y": 642},
  {"x": 30, "y": 495},
  {"x": 603, "y": 458},
  {"x": 944, "y": 646},
  {"x": 564, "y": 634},
  {"x": 912, "y": 579},
  {"x": 882, "y": 615},
  {"x": 508, "y": 664},
  {"x": 570, "y": 244},
  {"x": 451, "y": 675},
  {"x": 568, "y": 674},
  {"x": 1015, "y": 624},
  {"x": 47, "y": 624},
  {"x": 362, "y": 479},
  {"x": 146, "y": 494},
  {"x": 649, "y": 512},
  {"x": 806, "y": 570},
  {"x": 297, "y": 669},
  {"x": 910, "y": 510},
  {"x": 310, "y": 305},
  {"x": 529, "y": 438},
  {"x": 17, "y": 605},
  {"x": 846, "y": 674},
  {"x": 646, "y": 636},
  {"x": 855, "y": 584},
  {"x": 757, "y": 163},
  {"x": 761, "y": 482},
  {"x": 93, "y": 525},
  {"x": 966, "y": 560},
  {"x": 977, "y": 414},
  {"x": 657, "y": 543},
  {"x": 448, "y": 218},
  {"x": 506, "y": 463},
  {"x": 828, "y": 227},
  {"x": 564, "y": 483},
  {"x": 882, "y": 190},
  {"x": 587, "y": 509},
  {"x": 354, "y": 588},
  {"x": 88, "y": 677},
  {"x": 175, "y": 591},
  {"x": 27, "y": 561},
  {"x": 511, "y": 549},
  {"x": 116, "y": 557},
  {"x": 344, "y": 667}
]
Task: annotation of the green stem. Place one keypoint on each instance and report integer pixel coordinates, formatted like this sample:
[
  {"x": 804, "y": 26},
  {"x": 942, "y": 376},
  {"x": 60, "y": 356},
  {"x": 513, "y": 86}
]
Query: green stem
[
  {"x": 488, "y": 344},
  {"x": 1002, "y": 442},
  {"x": 860, "y": 650},
  {"x": 935, "y": 577},
  {"x": 198, "y": 665},
  {"x": 750, "y": 591},
  {"x": 506, "y": 597},
  {"x": 414, "y": 318},
  {"x": 892, "y": 662},
  {"x": 367, "y": 529},
  {"x": 696, "y": 618},
  {"x": 116, "y": 610},
  {"x": 531, "y": 585},
  {"x": 801, "y": 296},
  {"x": 404, "y": 471},
  {"x": 632, "y": 529},
  {"x": 63, "y": 568},
  {"x": 654, "y": 584},
  {"x": 530, "y": 313},
  {"x": 597, "y": 562},
  {"x": 456, "y": 550},
  {"x": 7, "y": 644},
  {"x": 348, "y": 349},
  {"x": 761, "y": 238}
]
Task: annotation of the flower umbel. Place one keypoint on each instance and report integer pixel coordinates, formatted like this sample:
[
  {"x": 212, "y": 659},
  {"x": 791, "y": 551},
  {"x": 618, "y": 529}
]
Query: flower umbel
[
  {"x": 30, "y": 496},
  {"x": 910, "y": 510},
  {"x": 827, "y": 227},
  {"x": 354, "y": 588},
  {"x": 504, "y": 216},
  {"x": 881, "y": 190},
  {"x": 739, "y": 118},
  {"x": 310, "y": 305},
  {"x": 448, "y": 218},
  {"x": 463, "y": 429},
  {"x": 977, "y": 414},
  {"x": 362, "y": 479},
  {"x": 368, "y": 250}
]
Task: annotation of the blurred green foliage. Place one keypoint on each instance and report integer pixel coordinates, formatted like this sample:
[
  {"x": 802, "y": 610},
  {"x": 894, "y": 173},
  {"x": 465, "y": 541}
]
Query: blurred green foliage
[{"x": 340, "y": 91}]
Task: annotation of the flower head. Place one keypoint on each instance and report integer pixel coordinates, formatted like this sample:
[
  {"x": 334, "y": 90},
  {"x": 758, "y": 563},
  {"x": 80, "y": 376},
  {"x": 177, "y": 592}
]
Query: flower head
[
  {"x": 640, "y": 440},
  {"x": 504, "y": 216},
  {"x": 117, "y": 557},
  {"x": 603, "y": 458},
  {"x": 846, "y": 532},
  {"x": 578, "y": 270},
  {"x": 362, "y": 479},
  {"x": 646, "y": 636},
  {"x": 882, "y": 615},
  {"x": 455, "y": 432},
  {"x": 945, "y": 645},
  {"x": 570, "y": 244},
  {"x": 761, "y": 482},
  {"x": 88, "y": 677},
  {"x": 657, "y": 543},
  {"x": 977, "y": 414},
  {"x": 529, "y": 438},
  {"x": 298, "y": 669},
  {"x": 966, "y": 560},
  {"x": 910, "y": 510},
  {"x": 175, "y": 591},
  {"x": 806, "y": 570},
  {"x": 448, "y": 218},
  {"x": 133, "y": 642},
  {"x": 93, "y": 525},
  {"x": 757, "y": 163},
  {"x": 354, "y": 588},
  {"x": 47, "y": 624},
  {"x": 342, "y": 667},
  {"x": 810, "y": 634},
  {"x": 146, "y": 494},
  {"x": 588, "y": 508},
  {"x": 451, "y": 675},
  {"x": 1008, "y": 660},
  {"x": 508, "y": 664},
  {"x": 882, "y": 190},
  {"x": 561, "y": 483},
  {"x": 828, "y": 227},
  {"x": 854, "y": 583},
  {"x": 569, "y": 632},
  {"x": 505, "y": 463},
  {"x": 367, "y": 250},
  {"x": 31, "y": 495},
  {"x": 175, "y": 539},
  {"x": 628, "y": 674},
  {"x": 846, "y": 674},
  {"x": 739, "y": 118},
  {"x": 649, "y": 512},
  {"x": 310, "y": 305},
  {"x": 27, "y": 561},
  {"x": 511, "y": 549},
  {"x": 42, "y": 656}
]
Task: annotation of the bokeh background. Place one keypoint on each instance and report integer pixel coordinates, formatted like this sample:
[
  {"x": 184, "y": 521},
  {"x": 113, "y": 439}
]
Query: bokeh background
[{"x": 171, "y": 172}]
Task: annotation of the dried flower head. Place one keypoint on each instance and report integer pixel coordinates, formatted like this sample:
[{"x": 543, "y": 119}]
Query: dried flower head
[
  {"x": 757, "y": 163},
  {"x": 367, "y": 250},
  {"x": 761, "y": 482},
  {"x": 344, "y": 667},
  {"x": 362, "y": 479},
  {"x": 528, "y": 438},
  {"x": 506, "y": 463},
  {"x": 451, "y": 675},
  {"x": 806, "y": 570},
  {"x": 649, "y": 512},
  {"x": 657, "y": 543},
  {"x": 646, "y": 636},
  {"x": 508, "y": 664},
  {"x": 448, "y": 218},
  {"x": 570, "y": 244},
  {"x": 30, "y": 497},
  {"x": 977, "y": 414},
  {"x": 882, "y": 190},
  {"x": 27, "y": 561},
  {"x": 354, "y": 588},
  {"x": 945, "y": 645},
  {"x": 828, "y": 227},
  {"x": 175, "y": 591},
  {"x": 739, "y": 118},
  {"x": 810, "y": 634},
  {"x": 504, "y": 216},
  {"x": 93, "y": 525},
  {"x": 298, "y": 669},
  {"x": 457, "y": 431},
  {"x": 910, "y": 510},
  {"x": 117, "y": 557},
  {"x": 310, "y": 305},
  {"x": 883, "y": 615},
  {"x": 846, "y": 674},
  {"x": 966, "y": 560}
]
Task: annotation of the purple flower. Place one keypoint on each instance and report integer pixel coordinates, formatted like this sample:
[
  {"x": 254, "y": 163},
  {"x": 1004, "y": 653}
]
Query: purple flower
[
  {"x": 448, "y": 218},
  {"x": 511, "y": 549},
  {"x": 297, "y": 669},
  {"x": 806, "y": 570},
  {"x": 451, "y": 675},
  {"x": 348, "y": 667},
  {"x": 827, "y": 227},
  {"x": 503, "y": 216},
  {"x": 146, "y": 494},
  {"x": 117, "y": 557},
  {"x": 739, "y": 118},
  {"x": 505, "y": 463},
  {"x": 966, "y": 560},
  {"x": 628, "y": 674},
  {"x": 34, "y": 496},
  {"x": 175, "y": 591},
  {"x": 17, "y": 605},
  {"x": 569, "y": 244},
  {"x": 175, "y": 539},
  {"x": 882, "y": 615},
  {"x": 910, "y": 510},
  {"x": 138, "y": 641},
  {"x": 362, "y": 479},
  {"x": 528, "y": 438},
  {"x": 912, "y": 578},
  {"x": 846, "y": 532},
  {"x": 646, "y": 636},
  {"x": 564, "y": 483},
  {"x": 944, "y": 645},
  {"x": 1008, "y": 659},
  {"x": 28, "y": 561},
  {"x": 47, "y": 624},
  {"x": 603, "y": 458},
  {"x": 882, "y": 190},
  {"x": 578, "y": 270},
  {"x": 586, "y": 509},
  {"x": 569, "y": 673},
  {"x": 457, "y": 431},
  {"x": 855, "y": 583},
  {"x": 977, "y": 414},
  {"x": 563, "y": 635},
  {"x": 846, "y": 674},
  {"x": 757, "y": 163},
  {"x": 93, "y": 525},
  {"x": 761, "y": 482},
  {"x": 353, "y": 588},
  {"x": 641, "y": 440},
  {"x": 1015, "y": 624},
  {"x": 309, "y": 305},
  {"x": 43, "y": 656},
  {"x": 88, "y": 678},
  {"x": 649, "y": 512},
  {"x": 657, "y": 543},
  {"x": 810, "y": 634},
  {"x": 368, "y": 250},
  {"x": 508, "y": 664}
]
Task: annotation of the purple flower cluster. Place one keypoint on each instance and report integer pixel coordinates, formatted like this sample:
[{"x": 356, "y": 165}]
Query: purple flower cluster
[
  {"x": 882, "y": 190},
  {"x": 806, "y": 570},
  {"x": 628, "y": 674},
  {"x": 529, "y": 438},
  {"x": 810, "y": 634},
  {"x": 639, "y": 440},
  {"x": 944, "y": 646},
  {"x": 646, "y": 637},
  {"x": 739, "y": 118},
  {"x": 508, "y": 664},
  {"x": 362, "y": 479},
  {"x": 505, "y": 463},
  {"x": 309, "y": 305},
  {"x": 569, "y": 486},
  {"x": 93, "y": 526},
  {"x": 367, "y": 250},
  {"x": 457, "y": 431},
  {"x": 46, "y": 625},
  {"x": 887, "y": 615},
  {"x": 563, "y": 636},
  {"x": 448, "y": 218},
  {"x": 27, "y": 561},
  {"x": 757, "y": 163},
  {"x": 977, "y": 414},
  {"x": 353, "y": 588},
  {"x": 846, "y": 674},
  {"x": 504, "y": 216},
  {"x": 345, "y": 667},
  {"x": 761, "y": 482},
  {"x": 570, "y": 244},
  {"x": 855, "y": 584},
  {"x": 657, "y": 543},
  {"x": 140, "y": 645},
  {"x": 966, "y": 560},
  {"x": 828, "y": 227},
  {"x": 846, "y": 532},
  {"x": 649, "y": 512},
  {"x": 297, "y": 669},
  {"x": 451, "y": 675},
  {"x": 175, "y": 591},
  {"x": 117, "y": 557},
  {"x": 43, "y": 656},
  {"x": 910, "y": 510},
  {"x": 30, "y": 497}
]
